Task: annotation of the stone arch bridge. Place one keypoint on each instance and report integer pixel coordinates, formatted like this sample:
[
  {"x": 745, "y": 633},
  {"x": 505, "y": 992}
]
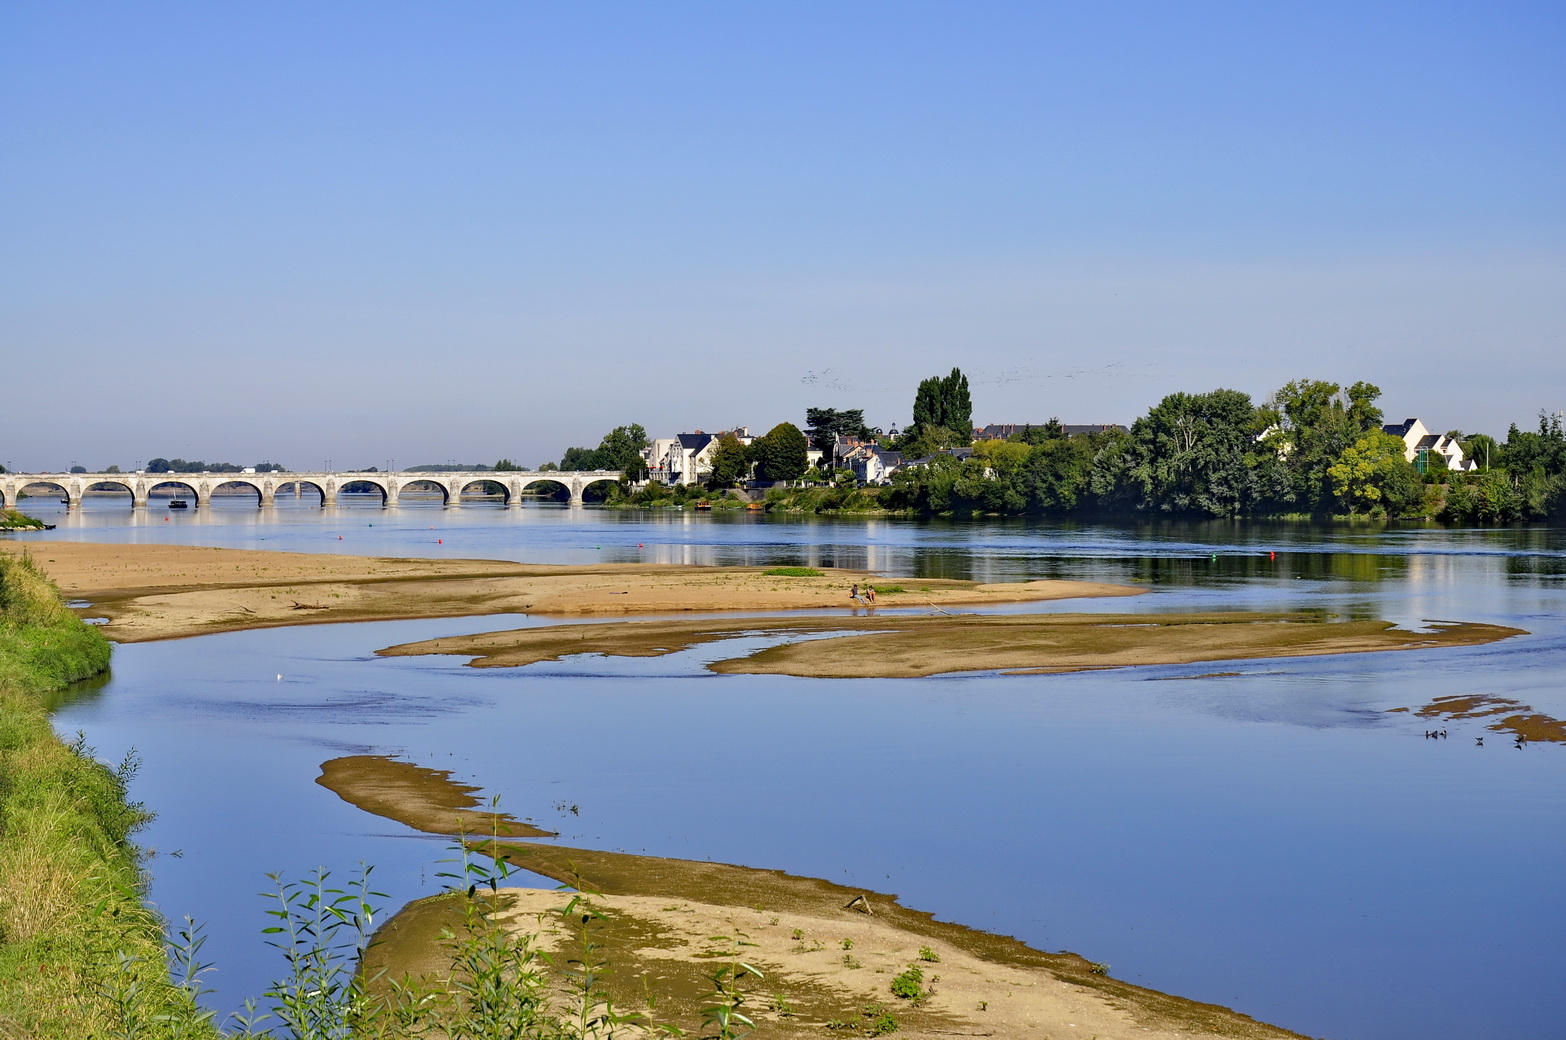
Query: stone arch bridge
[{"x": 199, "y": 487}]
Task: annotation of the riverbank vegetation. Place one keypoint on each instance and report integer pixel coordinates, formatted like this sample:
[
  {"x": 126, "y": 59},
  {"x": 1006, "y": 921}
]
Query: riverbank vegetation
[
  {"x": 1314, "y": 449},
  {"x": 11, "y": 520},
  {"x": 75, "y": 940}
]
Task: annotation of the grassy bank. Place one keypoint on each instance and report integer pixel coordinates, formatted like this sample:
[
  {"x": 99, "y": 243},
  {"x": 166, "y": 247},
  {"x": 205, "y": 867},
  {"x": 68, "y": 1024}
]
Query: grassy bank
[
  {"x": 77, "y": 946},
  {"x": 11, "y": 520}
]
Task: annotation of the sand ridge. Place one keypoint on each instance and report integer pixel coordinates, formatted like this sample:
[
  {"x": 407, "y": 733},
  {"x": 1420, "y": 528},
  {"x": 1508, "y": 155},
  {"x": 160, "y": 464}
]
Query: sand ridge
[
  {"x": 908, "y": 645},
  {"x": 663, "y": 913},
  {"x": 167, "y": 591}
]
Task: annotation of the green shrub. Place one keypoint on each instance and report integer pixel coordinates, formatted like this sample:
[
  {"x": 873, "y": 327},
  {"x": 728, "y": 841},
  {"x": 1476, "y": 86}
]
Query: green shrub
[
  {"x": 792, "y": 572},
  {"x": 909, "y": 984}
]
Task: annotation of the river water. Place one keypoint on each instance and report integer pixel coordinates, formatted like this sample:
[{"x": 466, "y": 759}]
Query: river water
[{"x": 1275, "y": 840}]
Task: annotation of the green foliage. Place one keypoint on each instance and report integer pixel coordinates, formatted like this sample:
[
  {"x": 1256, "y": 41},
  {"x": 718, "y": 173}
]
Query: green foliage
[
  {"x": 822, "y": 425},
  {"x": 79, "y": 953},
  {"x": 943, "y": 403},
  {"x": 1308, "y": 425},
  {"x": 879, "y": 1020},
  {"x": 792, "y": 572},
  {"x": 928, "y": 955},
  {"x": 781, "y": 454},
  {"x": 161, "y": 465},
  {"x": 1193, "y": 454},
  {"x": 730, "y": 462},
  {"x": 11, "y": 520},
  {"x": 621, "y": 448},
  {"x": 1372, "y": 476},
  {"x": 909, "y": 983},
  {"x": 723, "y": 1019}
]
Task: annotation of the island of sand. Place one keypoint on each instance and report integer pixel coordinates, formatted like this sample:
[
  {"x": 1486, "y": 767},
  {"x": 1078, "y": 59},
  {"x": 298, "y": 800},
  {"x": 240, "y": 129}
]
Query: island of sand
[
  {"x": 827, "y": 953},
  {"x": 152, "y": 592}
]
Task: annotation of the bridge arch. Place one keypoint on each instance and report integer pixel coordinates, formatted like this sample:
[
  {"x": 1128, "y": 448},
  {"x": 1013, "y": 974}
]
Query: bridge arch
[
  {"x": 155, "y": 483},
  {"x": 363, "y": 483},
  {"x": 425, "y": 484},
  {"x": 218, "y": 485},
  {"x": 31, "y": 489},
  {"x": 547, "y": 478},
  {"x": 485, "y": 485},
  {"x": 579, "y": 492},
  {"x": 112, "y": 484},
  {"x": 294, "y": 486}
]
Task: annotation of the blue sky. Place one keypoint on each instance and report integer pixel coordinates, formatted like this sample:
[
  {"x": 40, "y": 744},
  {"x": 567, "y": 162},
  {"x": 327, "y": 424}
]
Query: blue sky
[{"x": 428, "y": 231}]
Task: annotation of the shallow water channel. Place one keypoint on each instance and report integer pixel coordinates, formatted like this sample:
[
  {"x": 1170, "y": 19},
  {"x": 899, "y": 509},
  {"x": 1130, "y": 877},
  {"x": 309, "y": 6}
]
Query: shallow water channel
[{"x": 1274, "y": 840}]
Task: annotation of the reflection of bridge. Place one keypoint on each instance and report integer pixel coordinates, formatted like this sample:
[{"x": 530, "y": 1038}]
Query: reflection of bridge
[{"x": 200, "y": 486}]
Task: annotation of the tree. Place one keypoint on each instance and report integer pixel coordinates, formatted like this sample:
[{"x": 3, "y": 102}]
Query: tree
[
  {"x": 822, "y": 425},
  {"x": 577, "y": 459},
  {"x": 959, "y": 406},
  {"x": 506, "y": 466},
  {"x": 158, "y": 466},
  {"x": 1481, "y": 448},
  {"x": 1003, "y": 458},
  {"x": 1372, "y": 475},
  {"x": 1309, "y": 423},
  {"x": 1193, "y": 454},
  {"x": 622, "y": 449},
  {"x": 730, "y": 461},
  {"x": 781, "y": 454},
  {"x": 943, "y": 403}
]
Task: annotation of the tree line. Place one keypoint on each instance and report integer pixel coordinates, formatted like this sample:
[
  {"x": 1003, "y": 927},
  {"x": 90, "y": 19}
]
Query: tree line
[{"x": 1314, "y": 448}]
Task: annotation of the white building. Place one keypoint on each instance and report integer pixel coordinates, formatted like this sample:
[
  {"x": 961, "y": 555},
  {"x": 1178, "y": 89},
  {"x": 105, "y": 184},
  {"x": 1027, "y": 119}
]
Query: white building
[
  {"x": 1420, "y": 444},
  {"x": 687, "y": 458}
]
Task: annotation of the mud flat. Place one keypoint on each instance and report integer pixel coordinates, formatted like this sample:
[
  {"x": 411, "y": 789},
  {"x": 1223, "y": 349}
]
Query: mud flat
[
  {"x": 911, "y": 645},
  {"x": 824, "y": 958},
  {"x": 168, "y": 591}
]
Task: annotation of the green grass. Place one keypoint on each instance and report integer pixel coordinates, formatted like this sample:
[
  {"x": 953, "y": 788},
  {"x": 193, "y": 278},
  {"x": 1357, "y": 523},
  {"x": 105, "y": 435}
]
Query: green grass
[
  {"x": 792, "y": 572},
  {"x": 11, "y": 520},
  {"x": 76, "y": 942}
]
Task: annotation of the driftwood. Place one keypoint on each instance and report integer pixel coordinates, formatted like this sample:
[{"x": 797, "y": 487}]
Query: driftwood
[{"x": 859, "y": 903}]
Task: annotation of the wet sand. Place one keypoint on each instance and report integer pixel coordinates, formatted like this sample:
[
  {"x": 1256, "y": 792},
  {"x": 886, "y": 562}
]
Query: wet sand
[
  {"x": 169, "y": 591},
  {"x": 1522, "y": 721},
  {"x": 662, "y": 914},
  {"x": 904, "y": 645}
]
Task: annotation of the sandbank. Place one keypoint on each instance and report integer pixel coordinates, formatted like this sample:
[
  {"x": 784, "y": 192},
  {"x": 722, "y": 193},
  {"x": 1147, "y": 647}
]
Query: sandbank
[
  {"x": 152, "y": 592},
  {"x": 909, "y": 645},
  {"x": 662, "y": 914}
]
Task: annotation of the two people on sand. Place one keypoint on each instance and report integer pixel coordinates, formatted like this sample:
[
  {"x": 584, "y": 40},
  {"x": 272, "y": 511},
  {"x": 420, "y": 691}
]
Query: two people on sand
[{"x": 865, "y": 598}]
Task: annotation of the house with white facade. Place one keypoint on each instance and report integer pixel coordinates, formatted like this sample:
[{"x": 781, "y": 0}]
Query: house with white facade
[
  {"x": 1420, "y": 445},
  {"x": 687, "y": 458}
]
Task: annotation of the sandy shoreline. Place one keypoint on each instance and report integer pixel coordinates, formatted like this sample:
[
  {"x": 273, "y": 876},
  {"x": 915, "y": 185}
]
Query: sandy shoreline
[
  {"x": 663, "y": 913},
  {"x": 153, "y": 592}
]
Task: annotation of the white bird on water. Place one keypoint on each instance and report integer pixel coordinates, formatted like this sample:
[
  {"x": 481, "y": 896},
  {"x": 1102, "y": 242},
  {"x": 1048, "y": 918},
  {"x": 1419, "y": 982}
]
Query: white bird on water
[{"x": 279, "y": 676}]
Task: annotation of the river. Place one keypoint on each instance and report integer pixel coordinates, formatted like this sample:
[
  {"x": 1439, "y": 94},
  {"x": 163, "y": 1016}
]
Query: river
[{"x": 1277, "y": 840}]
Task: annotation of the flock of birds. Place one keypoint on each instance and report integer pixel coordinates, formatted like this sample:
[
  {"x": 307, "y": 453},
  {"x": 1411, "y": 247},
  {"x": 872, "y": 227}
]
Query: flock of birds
[{"x": 1440, "y": 734}]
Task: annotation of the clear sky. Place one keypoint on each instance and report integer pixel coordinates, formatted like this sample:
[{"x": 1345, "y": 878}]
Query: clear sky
[{"x": 419, "y": 232}]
